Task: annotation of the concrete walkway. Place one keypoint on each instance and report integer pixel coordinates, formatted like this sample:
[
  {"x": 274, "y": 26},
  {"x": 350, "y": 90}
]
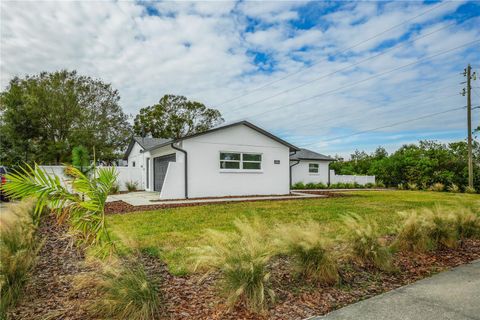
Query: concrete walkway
[
  {"x": 142, "y": 198},
  {"x": 453, "y": 294}
]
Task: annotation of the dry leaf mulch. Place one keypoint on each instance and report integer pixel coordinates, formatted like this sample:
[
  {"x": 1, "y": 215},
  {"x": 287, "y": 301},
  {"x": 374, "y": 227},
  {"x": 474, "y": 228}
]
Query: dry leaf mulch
[{"x": 51, "y": 295}]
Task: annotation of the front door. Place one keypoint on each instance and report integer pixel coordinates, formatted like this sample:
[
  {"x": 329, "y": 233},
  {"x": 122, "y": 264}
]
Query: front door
[{"x": 160, "y": 165}]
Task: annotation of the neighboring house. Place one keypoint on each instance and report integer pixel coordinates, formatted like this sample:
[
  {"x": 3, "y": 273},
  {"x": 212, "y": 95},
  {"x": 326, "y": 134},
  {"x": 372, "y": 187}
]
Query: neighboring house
[
  {"x": 308, "y": 166},
  {"x": 232, "y": 160}
]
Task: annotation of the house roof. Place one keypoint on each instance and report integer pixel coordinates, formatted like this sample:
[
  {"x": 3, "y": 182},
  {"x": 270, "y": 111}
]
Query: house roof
[
  {"x": 146, "y": 143},
  {"x": 305, "y": 154},
  {"x": 246, "y": 123}
]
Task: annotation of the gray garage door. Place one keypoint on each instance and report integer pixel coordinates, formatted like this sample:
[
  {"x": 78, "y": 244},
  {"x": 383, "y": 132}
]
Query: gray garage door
[{"x": 160, "y": 166}]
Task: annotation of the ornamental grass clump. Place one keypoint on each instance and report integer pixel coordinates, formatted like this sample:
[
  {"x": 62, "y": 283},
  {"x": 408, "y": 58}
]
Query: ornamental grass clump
[
  {"x": 364, "y": 242},
  {"x": 454, "y": 188},
  {"x": 312, "y": 255},
  {"x": 438, "y": 187},
  {"x": 131, "y": 186},
  {"x": 242, "y": 259},
  {"x": 126, "y": 292},
  {"x": 428, "y": 229},
  {"x": 467, "y": 224},
  {"x": 414, "y": 233},
  {"x": 18, "y": 251}
]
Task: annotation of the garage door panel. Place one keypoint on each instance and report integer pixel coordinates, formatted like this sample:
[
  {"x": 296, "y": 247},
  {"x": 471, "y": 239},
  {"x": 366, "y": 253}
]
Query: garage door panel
[{"x": 160, "y": 166}]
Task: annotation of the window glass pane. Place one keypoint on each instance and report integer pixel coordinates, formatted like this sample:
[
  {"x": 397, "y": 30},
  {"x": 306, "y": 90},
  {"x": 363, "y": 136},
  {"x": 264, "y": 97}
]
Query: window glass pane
[
  {"x": 252, "y": 165},
  {"x": 229, "y": 165},
  {"x": 252, "y": 157},
  {"x": 229, "y": 156},
  {"x": 313, "y": 167}
]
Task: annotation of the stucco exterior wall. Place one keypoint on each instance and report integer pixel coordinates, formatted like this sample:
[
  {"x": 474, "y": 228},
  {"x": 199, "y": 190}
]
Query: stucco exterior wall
[
  {"x": 206, "y": 179},
  {"x": 300, "y": 172},
  {"x": 136, "y": 156},
  {"x": 174, "y": 181}
]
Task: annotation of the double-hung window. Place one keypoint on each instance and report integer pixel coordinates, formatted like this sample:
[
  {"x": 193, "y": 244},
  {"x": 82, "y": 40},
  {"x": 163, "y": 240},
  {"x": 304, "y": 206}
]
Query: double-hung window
[
  {"x": 313, "y": 167},
  {"x": 240, "y": 161}
]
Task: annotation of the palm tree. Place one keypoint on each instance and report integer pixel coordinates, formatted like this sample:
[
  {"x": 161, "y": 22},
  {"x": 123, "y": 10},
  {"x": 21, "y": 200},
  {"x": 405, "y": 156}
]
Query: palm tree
[{"x": 82, "y": 204}]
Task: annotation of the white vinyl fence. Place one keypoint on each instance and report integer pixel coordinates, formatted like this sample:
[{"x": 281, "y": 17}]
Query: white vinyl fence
[
  {"x": 125, "y": 174},
  {"x": 363, "y": 180}
]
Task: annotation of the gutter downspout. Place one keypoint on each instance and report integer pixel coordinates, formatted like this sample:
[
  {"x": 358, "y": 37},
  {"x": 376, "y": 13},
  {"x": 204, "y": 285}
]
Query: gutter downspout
[
  {"x": 291, "y": 166},
  {"x": 185, "y": 167}
]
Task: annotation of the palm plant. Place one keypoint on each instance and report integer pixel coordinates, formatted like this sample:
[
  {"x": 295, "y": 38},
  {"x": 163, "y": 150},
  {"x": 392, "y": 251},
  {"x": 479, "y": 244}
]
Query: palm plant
[{"x": 82, "y": 204}]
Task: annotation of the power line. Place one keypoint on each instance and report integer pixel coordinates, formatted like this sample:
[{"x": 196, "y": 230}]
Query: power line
[
  {"x": 369, "y": 78},
  {"x": 379, "y": 106},
  {"x": 389, "y": 125},
  {"x": 337, "y": 53},
  {"x": 344, "y": 68}
]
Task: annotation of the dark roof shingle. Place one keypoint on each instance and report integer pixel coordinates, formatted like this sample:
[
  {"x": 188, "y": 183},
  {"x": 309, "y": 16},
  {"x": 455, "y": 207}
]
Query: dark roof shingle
[
  {"x": 305, "y": 154},
  {"x": 148, "y": 143}
]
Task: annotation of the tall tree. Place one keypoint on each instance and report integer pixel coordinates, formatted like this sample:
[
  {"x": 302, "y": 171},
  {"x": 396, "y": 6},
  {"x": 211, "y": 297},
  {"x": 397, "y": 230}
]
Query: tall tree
[
  {"x": 175, "y": 117},
  {"x": 45, "y": 115}
]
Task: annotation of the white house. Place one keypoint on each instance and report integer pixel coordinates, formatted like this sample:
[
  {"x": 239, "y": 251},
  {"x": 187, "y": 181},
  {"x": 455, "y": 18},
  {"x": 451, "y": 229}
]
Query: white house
[
  {"x": 308, "y": 166},
  {"x": 232, "y": 160}
]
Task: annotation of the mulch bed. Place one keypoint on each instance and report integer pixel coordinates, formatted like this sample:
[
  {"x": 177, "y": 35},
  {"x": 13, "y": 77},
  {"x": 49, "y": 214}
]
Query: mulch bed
[
  {"x": 123, "y": 207},
  {"x": 50, "y": 293}
]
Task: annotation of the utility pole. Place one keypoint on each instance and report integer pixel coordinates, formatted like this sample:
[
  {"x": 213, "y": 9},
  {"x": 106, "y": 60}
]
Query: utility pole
[{"x": 468, "y": 73}]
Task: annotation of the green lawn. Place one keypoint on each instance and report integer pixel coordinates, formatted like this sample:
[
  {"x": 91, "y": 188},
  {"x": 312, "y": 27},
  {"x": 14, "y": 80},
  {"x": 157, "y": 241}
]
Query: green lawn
[{"x": 169, "y": 232}]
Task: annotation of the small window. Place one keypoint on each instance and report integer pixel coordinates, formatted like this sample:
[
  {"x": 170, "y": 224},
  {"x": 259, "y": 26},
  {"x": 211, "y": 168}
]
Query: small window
[
  {"x": 313, "y": 167},
  {"x": 133, "y": 163}
]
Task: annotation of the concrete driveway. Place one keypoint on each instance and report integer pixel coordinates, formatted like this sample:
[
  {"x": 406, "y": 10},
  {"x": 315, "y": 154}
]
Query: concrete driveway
[{"x": 450, "y": 295}]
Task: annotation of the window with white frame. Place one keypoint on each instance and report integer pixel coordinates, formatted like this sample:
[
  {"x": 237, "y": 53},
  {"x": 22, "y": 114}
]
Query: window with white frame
[
  {"x": 240, "y": 161},
  {"x": 313, "y": 167}
]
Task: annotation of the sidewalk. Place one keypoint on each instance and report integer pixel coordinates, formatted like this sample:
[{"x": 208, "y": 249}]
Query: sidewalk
[
  {"x": 143, "y": 198},
  {"x": 453, "y": 294}
]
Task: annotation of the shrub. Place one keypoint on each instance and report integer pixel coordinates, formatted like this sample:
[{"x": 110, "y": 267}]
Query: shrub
[
  {"x": 363, "y": 239},
  {"x": 470, "y": 190},
  {"x": 126, "y": 292},
  {"x": 298, "y": 185},
  {"x": 350, "y": 186},
  {"x": 412, "y": 186},
  {"x": 321, "y": 186},
  {"x": 453, "y": 188},
  {"x": 241, "y": 257},
  {"x": 18, "y": 251},
  {"x": 370, "y": 185},
  {"x": 380, "y": 184},
  {"x": 311, "y": 185},
  {"x": 358, "y": 185},
  {"x": 401, "y": 186},
  {"x": 114, "y": 189},
  {"x": 438, "y": 187},
  {"x": 131, "y": 185},
  {"x": 340, "y": 186},
  {"x": 312, "y": 258}
]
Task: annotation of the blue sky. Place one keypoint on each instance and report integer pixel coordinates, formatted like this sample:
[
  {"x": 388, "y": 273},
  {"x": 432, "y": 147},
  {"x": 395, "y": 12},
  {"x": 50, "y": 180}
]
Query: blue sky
[{"x": 315, "y": 73}]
